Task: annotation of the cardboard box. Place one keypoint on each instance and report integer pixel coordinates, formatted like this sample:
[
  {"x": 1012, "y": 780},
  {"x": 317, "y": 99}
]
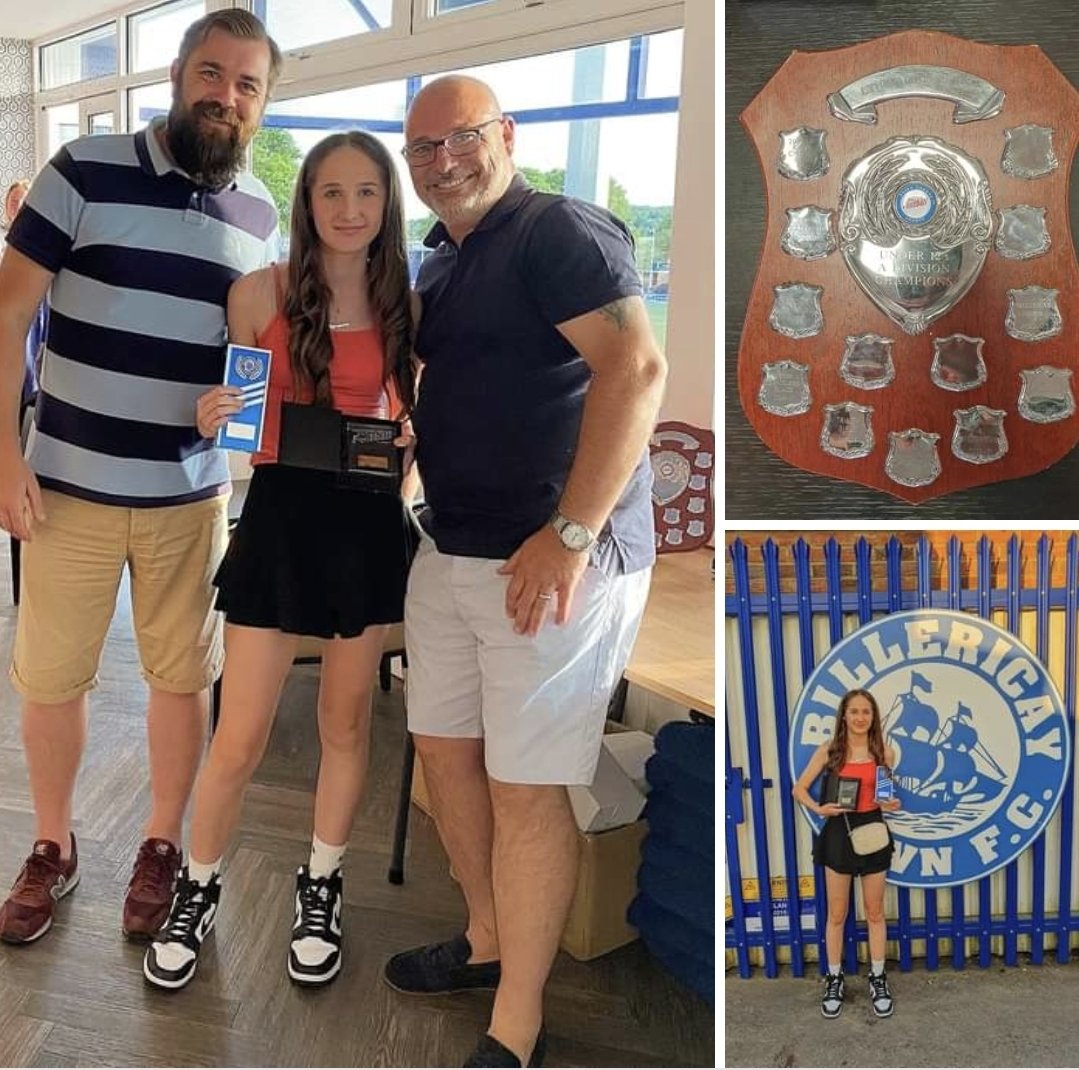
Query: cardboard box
[
  {"x": 611, "y": 800},
  {"x": 606, "y": 882},
  {"x": 631, "y": 749},
  {"x": 606, "y": 885}
]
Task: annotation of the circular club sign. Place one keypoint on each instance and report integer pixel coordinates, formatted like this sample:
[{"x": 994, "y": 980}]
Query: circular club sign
[
  {"x": 915, "y": 203},
  {"x": 979, "y": 732}
]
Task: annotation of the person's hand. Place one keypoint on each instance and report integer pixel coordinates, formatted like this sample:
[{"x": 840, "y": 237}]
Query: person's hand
[
  {"x": 830, "y": 810},
  {"x": 215, "y": 407},
  {"x": 890, "y": 805},
  {"x": 406, "y": 440},
  {"x": 20, "y": 496},
  {"x": 543, "y": 576}
]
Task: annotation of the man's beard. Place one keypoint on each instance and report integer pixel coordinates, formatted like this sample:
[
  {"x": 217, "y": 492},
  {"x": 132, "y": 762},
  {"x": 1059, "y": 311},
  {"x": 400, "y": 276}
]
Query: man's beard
[{"x": 211, "y": 158}]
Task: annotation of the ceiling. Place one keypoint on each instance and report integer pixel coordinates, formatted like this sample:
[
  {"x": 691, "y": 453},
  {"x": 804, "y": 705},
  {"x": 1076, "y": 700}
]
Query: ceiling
[{"x": 30, "y": 20}]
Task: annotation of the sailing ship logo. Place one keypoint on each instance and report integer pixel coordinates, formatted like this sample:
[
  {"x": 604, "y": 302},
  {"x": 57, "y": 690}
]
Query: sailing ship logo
[
  {"x": 979, "y": 734},
  {"x": 941, "y": 760}
]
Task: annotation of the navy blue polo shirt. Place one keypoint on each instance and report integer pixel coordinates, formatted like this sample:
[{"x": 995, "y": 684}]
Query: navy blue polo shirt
[{"x": 500, "y": 402}]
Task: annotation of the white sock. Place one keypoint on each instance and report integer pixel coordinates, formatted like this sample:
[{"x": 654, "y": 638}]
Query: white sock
[
  {"x": 835, "y": 969},
  {"x": 325, "y": 858},
  {"x": 877, "y": 966},
  {"x": 201, "y": 872}
]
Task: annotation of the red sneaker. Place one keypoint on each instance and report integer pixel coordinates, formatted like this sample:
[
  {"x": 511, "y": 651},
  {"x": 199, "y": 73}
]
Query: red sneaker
[
  {"x": 27, "y": 912},
  {"x": 149, "y": 894}
]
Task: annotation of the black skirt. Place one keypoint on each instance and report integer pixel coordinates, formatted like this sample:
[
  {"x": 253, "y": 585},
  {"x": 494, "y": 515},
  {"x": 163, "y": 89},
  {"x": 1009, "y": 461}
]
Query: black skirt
[
  {"x": 832, "y": 847},
  {"x": 311, "y": 556}
]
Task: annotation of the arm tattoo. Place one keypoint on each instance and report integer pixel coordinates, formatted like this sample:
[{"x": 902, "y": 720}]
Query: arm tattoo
[{"x": 617, "y": 312}]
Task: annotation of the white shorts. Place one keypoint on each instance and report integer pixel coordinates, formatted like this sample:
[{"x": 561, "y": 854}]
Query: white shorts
[{"x": 539, "y": 702}]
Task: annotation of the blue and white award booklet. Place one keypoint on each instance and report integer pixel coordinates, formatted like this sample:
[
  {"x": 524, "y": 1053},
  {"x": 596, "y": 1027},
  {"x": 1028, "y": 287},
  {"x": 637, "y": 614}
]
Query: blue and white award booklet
[
  {"x": 885, "y": 790},
  {"x": 249, "y": 369}
]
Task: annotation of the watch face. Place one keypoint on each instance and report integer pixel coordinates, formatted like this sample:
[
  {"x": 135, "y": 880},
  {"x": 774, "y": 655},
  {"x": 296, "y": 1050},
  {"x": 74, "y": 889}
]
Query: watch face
[{"x": 575, "y": 536}]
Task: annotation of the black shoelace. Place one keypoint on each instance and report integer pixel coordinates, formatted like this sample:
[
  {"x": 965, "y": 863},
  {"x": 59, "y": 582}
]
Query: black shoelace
[
  {"x": 187, "y": 908},
  {"x": 315, "y": 903},
  {"x": 834, "y": 987}
]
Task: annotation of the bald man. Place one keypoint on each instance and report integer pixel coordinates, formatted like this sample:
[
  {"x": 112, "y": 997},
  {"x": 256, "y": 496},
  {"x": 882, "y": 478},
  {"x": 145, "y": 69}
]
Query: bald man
[{"x": 540, "y": 389}]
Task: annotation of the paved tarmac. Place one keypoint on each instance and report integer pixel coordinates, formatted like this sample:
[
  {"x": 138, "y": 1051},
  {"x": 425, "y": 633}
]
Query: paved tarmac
[{"x": 1001, "y": 1016}]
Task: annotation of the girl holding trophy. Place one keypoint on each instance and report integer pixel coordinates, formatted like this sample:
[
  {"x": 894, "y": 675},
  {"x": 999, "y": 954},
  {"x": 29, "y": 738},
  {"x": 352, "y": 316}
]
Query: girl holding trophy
[
  {"x": 312, "y": 555},
  {"x": 855, "y": 841}
]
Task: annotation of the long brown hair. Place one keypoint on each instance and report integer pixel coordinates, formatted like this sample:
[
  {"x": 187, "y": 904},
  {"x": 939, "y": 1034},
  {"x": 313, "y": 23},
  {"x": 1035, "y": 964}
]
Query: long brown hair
[
  {"x": 307, "y": 303},
  {"x": 837, "y": 749}
]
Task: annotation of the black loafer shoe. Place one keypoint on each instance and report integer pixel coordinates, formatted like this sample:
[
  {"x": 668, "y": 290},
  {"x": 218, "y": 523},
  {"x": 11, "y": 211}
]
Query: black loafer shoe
[
  {"x": 491, "y": 1052},
  {"x": 440, "y": 968}
]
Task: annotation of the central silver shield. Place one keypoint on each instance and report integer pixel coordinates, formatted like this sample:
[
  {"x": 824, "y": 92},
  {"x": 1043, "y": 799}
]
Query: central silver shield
[{"x": 915, "y": 222}]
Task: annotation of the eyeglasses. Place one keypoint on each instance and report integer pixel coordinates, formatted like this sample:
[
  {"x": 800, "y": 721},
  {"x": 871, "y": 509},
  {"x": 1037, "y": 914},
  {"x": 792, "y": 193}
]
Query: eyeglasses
[{"x": 459, "y": 143}]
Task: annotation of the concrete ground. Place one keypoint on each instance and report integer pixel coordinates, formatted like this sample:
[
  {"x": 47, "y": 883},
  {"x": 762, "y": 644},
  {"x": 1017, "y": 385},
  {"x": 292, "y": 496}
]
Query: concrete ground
[{"x": 1001, "y": 1016}]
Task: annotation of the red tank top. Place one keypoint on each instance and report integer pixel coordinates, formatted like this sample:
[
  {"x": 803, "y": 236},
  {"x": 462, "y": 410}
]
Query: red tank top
[
  {"x": 866, "y": 773},
  {"x": 355, "y": 378}
]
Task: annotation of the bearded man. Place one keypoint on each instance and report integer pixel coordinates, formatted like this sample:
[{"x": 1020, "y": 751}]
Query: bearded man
[{"x": 139, "y": 236}]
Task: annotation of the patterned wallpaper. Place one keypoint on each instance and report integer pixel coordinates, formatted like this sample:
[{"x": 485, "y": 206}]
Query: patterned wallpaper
[{"x": 16, "y": 112}]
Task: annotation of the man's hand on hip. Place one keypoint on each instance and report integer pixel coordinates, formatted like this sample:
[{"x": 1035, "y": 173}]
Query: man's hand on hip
[
  {"x": 20, "y": 495},
  {"x": 543, "y": 576}
]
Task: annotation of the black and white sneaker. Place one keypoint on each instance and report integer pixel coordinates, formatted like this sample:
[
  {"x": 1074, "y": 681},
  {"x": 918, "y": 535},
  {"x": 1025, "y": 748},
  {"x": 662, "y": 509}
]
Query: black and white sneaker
[
  {"x": 314, "y": 955},
  {"x": 171, "y": 958},
  {"x": 880, "y": 995},
  {"x": 832, "y": 1002}
]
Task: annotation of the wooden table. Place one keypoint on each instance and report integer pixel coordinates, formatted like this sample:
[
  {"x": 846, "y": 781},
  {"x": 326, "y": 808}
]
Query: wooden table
[{"x": 675, "y": 651}]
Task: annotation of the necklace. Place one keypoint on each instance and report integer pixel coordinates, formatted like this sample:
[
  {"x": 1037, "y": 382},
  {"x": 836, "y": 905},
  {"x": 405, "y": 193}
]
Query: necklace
[{"x": 340, "y": 326}]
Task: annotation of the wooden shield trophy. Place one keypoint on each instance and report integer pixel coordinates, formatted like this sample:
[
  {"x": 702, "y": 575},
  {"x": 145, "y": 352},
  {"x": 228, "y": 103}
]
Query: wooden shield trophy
[{"x": 912, "y": 321}]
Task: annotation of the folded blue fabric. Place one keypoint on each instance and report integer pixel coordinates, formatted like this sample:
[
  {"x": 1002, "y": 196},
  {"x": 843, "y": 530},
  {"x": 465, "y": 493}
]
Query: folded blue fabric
[
  {"x": 694, "y": 901},
  {"x": 673, "y": 948},
  {"x": 672, "y": 820},
  {"x": 698, "y": 872}
]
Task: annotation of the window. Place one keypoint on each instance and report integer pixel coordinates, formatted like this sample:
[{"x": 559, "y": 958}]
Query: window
[
  {"x": 146, "y": 102},
  {"x": 75, "y": 59},
  {"x": 153, "y": 36},
  {"x": 593, "y": 122},
  {"x": 62, "y": 123},
  {"x": 294, "y": 23}
]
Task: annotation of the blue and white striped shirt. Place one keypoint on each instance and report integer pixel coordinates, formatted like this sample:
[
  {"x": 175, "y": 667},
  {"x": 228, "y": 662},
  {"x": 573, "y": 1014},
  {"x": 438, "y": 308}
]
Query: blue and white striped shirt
[{"x": 143, "y": 259}]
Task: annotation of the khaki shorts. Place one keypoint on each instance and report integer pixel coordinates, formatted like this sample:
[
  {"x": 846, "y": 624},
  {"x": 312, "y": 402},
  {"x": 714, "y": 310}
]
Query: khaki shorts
[
  {"x": 71, "y": 571},
  {"x": 538, "y": 702}
]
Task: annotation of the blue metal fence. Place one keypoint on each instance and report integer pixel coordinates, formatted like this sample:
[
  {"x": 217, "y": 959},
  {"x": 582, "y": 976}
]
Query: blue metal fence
[{"x": 772, "y": 643}]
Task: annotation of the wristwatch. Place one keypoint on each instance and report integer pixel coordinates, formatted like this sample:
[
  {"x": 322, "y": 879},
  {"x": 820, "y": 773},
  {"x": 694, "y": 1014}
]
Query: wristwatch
[{"x": 574, "y": 535}]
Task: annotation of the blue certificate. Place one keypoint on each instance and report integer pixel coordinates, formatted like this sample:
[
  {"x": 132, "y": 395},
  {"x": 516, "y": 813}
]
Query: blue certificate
[
  {"x": 249, "y": 369},
  {"x": 885, "y": 789}
]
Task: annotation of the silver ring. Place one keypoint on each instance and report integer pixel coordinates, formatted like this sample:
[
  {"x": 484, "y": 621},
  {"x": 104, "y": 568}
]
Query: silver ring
[{"x": 545, "y": 597}]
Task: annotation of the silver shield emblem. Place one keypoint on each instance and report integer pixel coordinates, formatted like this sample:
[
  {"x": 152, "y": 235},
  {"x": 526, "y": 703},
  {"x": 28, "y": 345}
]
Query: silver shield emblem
[
  {"x": 979, "y": 435},
  {"x": 913, "y": 460},
  {"x": 957, "y": 362},
  {"x": 1033, "y": 314},
  {"x": 809, "y": 233},
  {"x": 1028, "y": 151},
  {"x": 847, "y": 431},
  {"x": 670, "y": 477},
  {"x": 802, "y": 155},
  {"x": 1046, "y": 394},
  {"x": 915, "y": 218},
  {"x": 784, "y": 389},
  {"x": 867, "y": 361},
  {"x": 796, "y": 312},
  {"x": 1022, "y": 233}
]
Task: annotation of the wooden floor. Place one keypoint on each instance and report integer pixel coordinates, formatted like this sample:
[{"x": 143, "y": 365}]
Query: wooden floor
[{"x": 77, "y": 997}]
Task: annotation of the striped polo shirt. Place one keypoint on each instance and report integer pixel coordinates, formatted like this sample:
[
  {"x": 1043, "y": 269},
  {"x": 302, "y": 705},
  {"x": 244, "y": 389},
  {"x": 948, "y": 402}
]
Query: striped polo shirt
[{"x": 143, "y": 259}]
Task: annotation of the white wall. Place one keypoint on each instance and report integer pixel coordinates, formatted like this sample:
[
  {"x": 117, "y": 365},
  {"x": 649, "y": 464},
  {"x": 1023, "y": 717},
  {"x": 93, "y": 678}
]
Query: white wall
[{"x": 691, "y": 325}]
